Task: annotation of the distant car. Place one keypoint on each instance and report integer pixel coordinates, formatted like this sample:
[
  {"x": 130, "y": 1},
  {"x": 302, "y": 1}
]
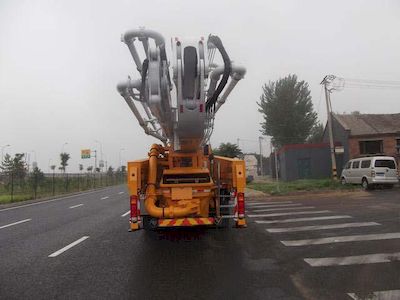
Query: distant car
[{"x": 371, "y": 171}]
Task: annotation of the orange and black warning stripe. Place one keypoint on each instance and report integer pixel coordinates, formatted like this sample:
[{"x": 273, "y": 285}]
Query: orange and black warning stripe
[{"x": 185, "y": 222}]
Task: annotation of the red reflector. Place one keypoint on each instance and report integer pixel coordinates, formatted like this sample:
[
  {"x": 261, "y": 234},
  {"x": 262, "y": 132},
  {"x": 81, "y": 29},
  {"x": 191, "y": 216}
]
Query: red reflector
[
  {"x": 181, "y": 108},
  {"x": 201, "y": 108},
  {"x": 134, "y": 206},
  {"x": 240, "y": 204}
]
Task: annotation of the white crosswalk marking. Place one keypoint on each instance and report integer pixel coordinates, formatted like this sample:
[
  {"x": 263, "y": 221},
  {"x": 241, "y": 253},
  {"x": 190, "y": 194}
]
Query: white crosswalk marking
[
  {"x": 342, "y": 239},
  {"x": 275, "y": 205},
  {"x": 267, "y": 203},
  {"x": 289, "y": 213},
  {"x": 284, "y": 208},
  {"x": 294, "y": 220},
  {"x": 378, "y": 295},
  {"x": 353, "y": 260},
  {"x": 322, "y": 227}
]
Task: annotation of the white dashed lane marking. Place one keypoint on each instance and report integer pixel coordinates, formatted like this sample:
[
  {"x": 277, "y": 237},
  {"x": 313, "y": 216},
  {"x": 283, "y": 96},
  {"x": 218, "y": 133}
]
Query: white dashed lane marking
[
  {"x": 125, "y": 214},
  {"x": 120, "y": 193},
  {"x": 75, "y": 206},
  {"x": 104, "y": 198},
  {"x": 58, "y": 252},
  {"x": 321, "y": 227},
  {"x": 15, "y": 223}
]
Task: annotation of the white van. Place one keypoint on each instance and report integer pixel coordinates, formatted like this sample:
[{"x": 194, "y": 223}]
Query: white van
[{"x": 371, "y": 171}]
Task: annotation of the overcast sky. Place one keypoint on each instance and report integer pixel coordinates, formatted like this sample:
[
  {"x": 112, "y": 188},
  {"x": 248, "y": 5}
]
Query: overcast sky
[{"x": 61, "y": 60}]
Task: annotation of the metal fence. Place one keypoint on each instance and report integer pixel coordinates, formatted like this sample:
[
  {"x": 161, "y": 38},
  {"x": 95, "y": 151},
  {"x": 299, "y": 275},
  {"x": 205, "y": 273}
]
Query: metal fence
[{"x": 14, "y": 188}]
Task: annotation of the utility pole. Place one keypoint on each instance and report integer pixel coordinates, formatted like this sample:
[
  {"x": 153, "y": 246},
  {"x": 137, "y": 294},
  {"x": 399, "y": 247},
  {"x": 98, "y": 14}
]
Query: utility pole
[
  {"x": 276, "y": 169},
  {"x": 270, "y": 158},
  {"x": 328, "y": 79},
  {"x": 95, "y": 161},
  {"x": 260, "y": 138}
]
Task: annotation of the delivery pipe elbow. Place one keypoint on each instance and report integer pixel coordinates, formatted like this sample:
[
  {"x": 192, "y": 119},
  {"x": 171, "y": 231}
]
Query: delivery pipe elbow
[
  {"x": 122, "y": 87},
  {"x": 143, "y": 33},
  {"x": 238, "y": 72}
]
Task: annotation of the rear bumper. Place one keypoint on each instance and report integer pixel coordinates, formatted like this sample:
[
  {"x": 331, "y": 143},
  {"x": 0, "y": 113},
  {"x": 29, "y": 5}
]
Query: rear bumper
[
  {"x": 377, "y": 180},
  {"x": 185, "y": 222}
]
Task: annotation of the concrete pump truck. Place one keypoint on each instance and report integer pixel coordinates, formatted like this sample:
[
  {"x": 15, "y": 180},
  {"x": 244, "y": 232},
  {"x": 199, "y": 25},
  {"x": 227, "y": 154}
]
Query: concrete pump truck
[{"x": 181, "y": 183}]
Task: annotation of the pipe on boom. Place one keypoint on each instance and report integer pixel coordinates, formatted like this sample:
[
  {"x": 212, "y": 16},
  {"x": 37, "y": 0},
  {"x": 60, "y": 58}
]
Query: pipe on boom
[
  {"x": 143, "y": 34},
  {"x": 216, "y": 41},
  {"x": 151, "y": 195},
  {"x": 238, "y": 74},
  {"x": 123, "y": 90}
]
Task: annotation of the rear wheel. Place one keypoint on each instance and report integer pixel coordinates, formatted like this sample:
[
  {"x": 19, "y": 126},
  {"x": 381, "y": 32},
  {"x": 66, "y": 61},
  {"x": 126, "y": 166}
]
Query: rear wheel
[
  {"x": 365, "y": 184},
  {"x": 149, "y": 223},
  {"x": 343, "y": 181}
]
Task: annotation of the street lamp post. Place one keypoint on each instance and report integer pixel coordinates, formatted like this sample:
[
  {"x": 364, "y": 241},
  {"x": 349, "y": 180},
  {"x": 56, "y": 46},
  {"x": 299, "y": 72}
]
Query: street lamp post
[
  {"x": 62, "y": 147},
  {"x": 120, "y": 162},
  {"x": 101, "y": 153},
  {"x": 34, "y": 163}
]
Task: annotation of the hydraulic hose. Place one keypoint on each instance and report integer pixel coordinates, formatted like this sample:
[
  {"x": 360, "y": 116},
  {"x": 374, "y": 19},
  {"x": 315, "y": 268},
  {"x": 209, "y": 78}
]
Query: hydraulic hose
[
  {"x": 227, "y": 71},
  {"x": 145, "y": 67},
  {"x": 151, "y": 195}
]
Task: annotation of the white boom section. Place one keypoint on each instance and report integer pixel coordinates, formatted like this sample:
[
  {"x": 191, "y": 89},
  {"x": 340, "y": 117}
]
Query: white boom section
[{"x": 189, "y": 123}]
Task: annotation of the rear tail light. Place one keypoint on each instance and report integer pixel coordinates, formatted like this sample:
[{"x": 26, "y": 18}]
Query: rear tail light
[
  {"x": 134, "y": 208},
  {"x": 240, "y": 204}
]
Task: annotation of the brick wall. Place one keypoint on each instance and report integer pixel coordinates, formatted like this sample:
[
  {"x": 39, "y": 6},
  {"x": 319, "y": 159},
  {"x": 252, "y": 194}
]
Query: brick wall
[{"x": 389, "y": 145}]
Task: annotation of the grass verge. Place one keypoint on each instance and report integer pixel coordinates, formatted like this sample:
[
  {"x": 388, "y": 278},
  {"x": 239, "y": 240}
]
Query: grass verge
[
  {"x": 284, "y": 188},
  {"x": 4, "y": 199}
]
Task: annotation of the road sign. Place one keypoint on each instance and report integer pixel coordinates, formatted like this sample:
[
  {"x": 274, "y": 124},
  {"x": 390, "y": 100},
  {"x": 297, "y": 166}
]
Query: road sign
[
  {"x": 85, "y": 153},
  {"x": 339, "y": 149}
]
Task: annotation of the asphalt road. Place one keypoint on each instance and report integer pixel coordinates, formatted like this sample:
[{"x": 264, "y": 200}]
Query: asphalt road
[{"x": 306, "y": 247}]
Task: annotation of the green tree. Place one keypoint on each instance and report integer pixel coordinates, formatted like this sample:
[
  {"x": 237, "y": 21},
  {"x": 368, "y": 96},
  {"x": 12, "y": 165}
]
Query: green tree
[
  {"x": 80, "y": 167},
  {"x": 64, "y": 157},
  {"x": 316, "y": 134},
  {"x": 89, "y": 169},
  {"x": 35, "y": 179},
  {"x": 110, "y": 171},
  {"x": 15, "y": 166},
  {"x": 7, "y": 164},
  {"x": 287, "y": 111},
  {"x": 15, "y": 169},
  {"x": 228, "y": 150}
]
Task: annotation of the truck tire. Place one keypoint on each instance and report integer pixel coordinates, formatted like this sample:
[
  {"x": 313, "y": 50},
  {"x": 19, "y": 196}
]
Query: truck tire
[{"x": 149, "y": 223}]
